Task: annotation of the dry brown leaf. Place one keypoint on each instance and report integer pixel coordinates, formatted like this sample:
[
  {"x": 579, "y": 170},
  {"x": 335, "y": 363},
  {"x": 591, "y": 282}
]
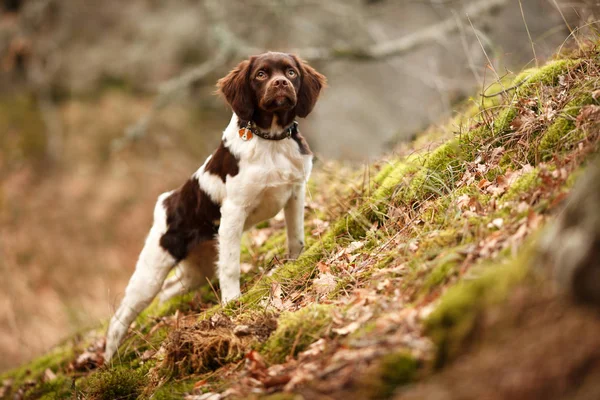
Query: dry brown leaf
[
  {"x": 276, "y": 296},
  {"x": 589, "y": 114},
  {"x": 413, "y": 245},
  {"x": 383, "y": 284},
  {"x": 325, "y": 283},
  {"x": 353, "y": 246},
  {"x": 353, "y": 326},
  {"x": 323, "y": 267},
  {"x": 148, "y": 354}
]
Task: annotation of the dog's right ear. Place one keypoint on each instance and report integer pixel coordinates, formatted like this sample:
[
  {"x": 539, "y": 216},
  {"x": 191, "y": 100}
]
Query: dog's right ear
[{"x": 235, "y": 87}]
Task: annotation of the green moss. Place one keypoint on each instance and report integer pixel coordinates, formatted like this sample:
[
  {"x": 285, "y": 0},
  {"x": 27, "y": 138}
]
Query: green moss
[
  {"x": 546, "y": 75},
  {"x": 60, "y": 388},
  {"x": 55, "y": 360},
  {"x": 451, "y": 324},
  {"x": 174, "y": 390},
  {"x": 439, "y": 171},
  {"x": 296, "y": 331},
  {"x": 503, "y": 121},
  {"x": 445, "y": 268},
  {"x": 523, "y": 184},
  {"x": 397, "y": 369},
  {"x": 559, "y": 130},
  {"x": 562, "y": 135},
  {"x": 116, "y": 383},
  {"x": 391, "y": 371},
  {"x": 384, "y": 172}
]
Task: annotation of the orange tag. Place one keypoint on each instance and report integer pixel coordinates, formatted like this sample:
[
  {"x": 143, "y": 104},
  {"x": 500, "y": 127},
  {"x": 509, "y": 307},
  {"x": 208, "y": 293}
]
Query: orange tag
[{"x": 245, "y": 134}]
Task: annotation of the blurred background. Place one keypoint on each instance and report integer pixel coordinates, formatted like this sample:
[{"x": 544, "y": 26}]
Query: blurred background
[{"x": 106, "y": 104}]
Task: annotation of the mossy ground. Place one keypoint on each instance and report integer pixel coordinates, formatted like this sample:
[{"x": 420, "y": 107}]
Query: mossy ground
[{"x": 398, "y": 268}]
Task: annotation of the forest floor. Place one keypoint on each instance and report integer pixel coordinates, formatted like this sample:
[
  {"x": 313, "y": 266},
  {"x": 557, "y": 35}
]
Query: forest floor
[{"x": 420, "y": 278}]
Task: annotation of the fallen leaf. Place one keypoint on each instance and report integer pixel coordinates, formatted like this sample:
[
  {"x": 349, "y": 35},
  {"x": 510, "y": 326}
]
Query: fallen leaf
[
  {"x": 49, "y": 375},
  {"x": 148, "y": 354},
  {"x": 325, "y": 283},
  {"x": 205, "y": 396},
  {"x": 199, "y": 384},
  {"x": 323, "y": 267},
  {"x": 383, "y": 284},
  {"x": 496, "y": 223},
  {"x": 413, "y": 245},
  {"x": 353, "y": 326},
  {"x": 314, "y": 349},
  {"x": 588, "y": 115},
  {"x": 276, "y": 296},
  {"x": 353, "y": 246}
]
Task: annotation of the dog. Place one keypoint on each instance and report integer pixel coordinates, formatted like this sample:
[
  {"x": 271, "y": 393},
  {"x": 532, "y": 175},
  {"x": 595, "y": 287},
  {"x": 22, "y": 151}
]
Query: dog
[{"x": 261, "y": 166}]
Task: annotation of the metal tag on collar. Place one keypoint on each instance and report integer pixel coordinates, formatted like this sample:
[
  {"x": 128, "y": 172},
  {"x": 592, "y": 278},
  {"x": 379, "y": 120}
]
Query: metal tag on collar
[
  {"x": 246, "y": 132},
  {"x": 293, "y": 129}
]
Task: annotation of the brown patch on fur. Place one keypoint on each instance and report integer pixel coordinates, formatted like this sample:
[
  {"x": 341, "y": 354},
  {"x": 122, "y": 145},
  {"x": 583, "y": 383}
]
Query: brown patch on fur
[
  {"x": 191, "y": 216},
  {"x": 312, "y": 83},
  {"x": 236, "y": 90},
  {"x": 223, "y": 163},
  {"x": 302, "y": 143}
]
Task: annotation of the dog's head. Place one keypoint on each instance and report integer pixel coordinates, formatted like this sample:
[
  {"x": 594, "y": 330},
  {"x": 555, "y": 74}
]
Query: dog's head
[{"x": 272, "y": 83}]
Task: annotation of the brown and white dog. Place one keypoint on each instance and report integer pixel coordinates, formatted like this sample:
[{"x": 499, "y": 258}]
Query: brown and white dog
[{"x": 260, "y": 167}]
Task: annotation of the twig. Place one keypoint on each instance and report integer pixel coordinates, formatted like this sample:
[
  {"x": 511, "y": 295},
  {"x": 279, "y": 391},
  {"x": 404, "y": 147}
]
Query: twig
[
  {"x": 567, "y": 24},
  {"x": 166, "y": 94},
  {"x": 233, "y": 47},
  {"x": 396, "y": 47},
  {"x": 529, "y": 34},
  {"x": 487, "y": 96}
]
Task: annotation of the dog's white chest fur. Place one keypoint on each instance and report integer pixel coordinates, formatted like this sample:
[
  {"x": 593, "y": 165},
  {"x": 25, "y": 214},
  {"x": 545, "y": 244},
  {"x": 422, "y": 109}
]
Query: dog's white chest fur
[{"x": 268, "y": 173}]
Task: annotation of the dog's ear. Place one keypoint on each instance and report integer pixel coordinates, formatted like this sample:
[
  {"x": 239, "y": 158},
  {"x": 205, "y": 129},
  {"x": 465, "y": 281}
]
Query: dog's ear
[
  {"x": 235, "y": 87},
  {"x": 312, "y": 83}
]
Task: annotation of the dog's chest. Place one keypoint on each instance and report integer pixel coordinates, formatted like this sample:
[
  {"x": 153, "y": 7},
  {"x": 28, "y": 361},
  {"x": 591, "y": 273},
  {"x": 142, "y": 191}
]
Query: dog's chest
[{"x": 268, "y": 178}]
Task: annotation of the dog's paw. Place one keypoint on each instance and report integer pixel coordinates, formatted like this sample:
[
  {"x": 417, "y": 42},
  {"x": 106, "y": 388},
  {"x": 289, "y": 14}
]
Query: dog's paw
[{"x": 229, "y": 295}]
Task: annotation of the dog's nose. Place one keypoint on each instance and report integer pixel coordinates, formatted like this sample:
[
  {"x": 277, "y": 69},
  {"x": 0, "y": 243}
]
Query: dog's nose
[{"x": 280, "y": 82}]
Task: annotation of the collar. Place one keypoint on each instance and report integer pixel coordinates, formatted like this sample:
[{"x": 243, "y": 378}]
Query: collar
[{"x": 251, "y": 129}]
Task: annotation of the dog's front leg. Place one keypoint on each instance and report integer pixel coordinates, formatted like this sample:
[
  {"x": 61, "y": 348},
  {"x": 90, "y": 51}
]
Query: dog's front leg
[
  {"x": 294, "y": 221},
  {"x": 231, "y": 228}
]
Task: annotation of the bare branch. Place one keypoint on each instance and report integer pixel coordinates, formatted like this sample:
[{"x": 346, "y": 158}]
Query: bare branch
[
  {"x": 396, "y": 47},
  {"x": 233, "y": 47}
]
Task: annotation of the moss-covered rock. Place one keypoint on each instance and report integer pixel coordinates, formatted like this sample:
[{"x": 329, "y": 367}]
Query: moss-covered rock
[{"x": 455, "y": 318}]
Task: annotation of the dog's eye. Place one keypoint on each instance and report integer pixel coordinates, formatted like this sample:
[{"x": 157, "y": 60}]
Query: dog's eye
[
  {"x": 261, "y": 74},
  {"x": 291, "y": 73}
]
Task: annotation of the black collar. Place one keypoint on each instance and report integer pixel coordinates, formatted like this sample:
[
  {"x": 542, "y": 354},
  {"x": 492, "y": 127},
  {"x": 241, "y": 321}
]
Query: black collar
[{"x": 285, "y": 134}]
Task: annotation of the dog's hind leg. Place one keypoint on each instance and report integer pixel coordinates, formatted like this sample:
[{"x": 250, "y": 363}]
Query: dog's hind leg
[
  {"x": 151, "y": 270},
  {"x": 192, "y": 272}
]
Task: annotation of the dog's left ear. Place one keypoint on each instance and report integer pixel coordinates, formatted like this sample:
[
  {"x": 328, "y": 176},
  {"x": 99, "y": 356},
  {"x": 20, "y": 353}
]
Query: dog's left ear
[
  {"x": 312, "y": 83},
  {"x": 235, "y": 87}
]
